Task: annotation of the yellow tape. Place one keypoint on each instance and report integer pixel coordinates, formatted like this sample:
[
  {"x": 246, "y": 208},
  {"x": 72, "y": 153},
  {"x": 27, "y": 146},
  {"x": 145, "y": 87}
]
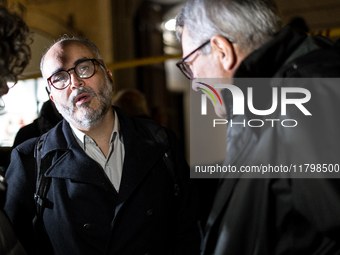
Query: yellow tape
[{"x": 329, "y": 33}]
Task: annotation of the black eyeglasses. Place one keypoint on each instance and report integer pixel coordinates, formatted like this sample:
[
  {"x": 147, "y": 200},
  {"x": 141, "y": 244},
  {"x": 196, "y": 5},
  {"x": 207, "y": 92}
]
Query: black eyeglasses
[
  {"x": 185, "y": 68},
  {"x": 84, "y": 70}
]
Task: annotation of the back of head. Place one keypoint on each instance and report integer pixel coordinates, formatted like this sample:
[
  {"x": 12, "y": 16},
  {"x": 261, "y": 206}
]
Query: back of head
[
  {"x": 249, "y": 23},
  {"x": 14, "y": 50}
]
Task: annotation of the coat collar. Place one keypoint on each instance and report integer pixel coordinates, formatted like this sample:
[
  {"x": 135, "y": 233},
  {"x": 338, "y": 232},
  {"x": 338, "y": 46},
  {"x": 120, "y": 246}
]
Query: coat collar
[
  {"x": 265, "y": 61},
  {"x": 273, "y": 59},
  {"x": 141, "y": 153}
]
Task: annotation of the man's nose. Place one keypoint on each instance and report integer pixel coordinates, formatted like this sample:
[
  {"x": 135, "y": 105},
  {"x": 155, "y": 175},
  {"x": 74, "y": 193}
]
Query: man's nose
[{"x": 75, "y": 81}]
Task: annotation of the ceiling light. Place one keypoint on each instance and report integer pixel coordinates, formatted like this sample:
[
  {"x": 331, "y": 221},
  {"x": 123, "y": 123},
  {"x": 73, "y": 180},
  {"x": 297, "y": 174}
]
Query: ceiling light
[{"x": 170, "y": 25}]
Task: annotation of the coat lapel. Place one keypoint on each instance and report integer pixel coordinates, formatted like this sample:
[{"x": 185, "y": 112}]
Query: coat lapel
[
  {"x": 141, "y": 154},
  {"x": 240, "y": 144},
  {"x": 221, "y": 200},
  {"x": 139, "y": 159},
  {"x": 74, "y": 163}
]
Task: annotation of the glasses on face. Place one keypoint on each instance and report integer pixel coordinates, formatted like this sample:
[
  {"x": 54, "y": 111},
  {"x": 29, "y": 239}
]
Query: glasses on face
[
  {"x": 184, "y": 67},
  {"x": 84, "y": 70}
]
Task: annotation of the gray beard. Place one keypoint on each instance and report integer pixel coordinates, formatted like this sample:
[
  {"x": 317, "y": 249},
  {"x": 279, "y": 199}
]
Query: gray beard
[{"x": 90, "y": 117}]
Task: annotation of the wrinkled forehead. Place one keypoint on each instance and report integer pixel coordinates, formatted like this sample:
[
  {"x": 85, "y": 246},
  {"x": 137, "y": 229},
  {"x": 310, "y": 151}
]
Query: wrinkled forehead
[{"x": 63, "y": 56}]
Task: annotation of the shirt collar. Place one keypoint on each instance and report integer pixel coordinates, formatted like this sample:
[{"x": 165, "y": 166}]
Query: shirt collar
[{"x": 82, "y": 137}]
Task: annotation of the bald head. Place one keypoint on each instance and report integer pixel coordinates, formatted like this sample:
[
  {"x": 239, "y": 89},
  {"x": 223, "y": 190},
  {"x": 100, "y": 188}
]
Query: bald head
[
  {"x": 63, "y": 53},
  {"x": 66, "y": 40}
]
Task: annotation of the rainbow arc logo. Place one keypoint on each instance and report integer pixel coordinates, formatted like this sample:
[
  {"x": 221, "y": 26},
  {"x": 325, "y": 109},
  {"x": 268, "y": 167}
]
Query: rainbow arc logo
[{"x": 209, "y": 93}]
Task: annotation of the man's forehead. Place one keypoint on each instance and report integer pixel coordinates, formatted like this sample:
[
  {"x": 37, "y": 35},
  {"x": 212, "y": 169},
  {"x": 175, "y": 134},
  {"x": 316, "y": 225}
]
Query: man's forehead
[
  {"x": 65, "y": 54},
  {"x": 68, "y": 50}
]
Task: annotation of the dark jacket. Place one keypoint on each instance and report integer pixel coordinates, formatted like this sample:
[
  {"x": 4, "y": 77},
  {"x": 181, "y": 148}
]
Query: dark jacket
[
  {"x": 9, "y": 243},
  {"x": 286, "y": 215},
  {"x": 85, "y": 214}
]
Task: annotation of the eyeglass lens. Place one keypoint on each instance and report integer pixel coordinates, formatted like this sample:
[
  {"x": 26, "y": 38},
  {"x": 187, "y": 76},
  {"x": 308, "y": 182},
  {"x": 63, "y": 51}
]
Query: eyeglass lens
[
  {"x": 83, "y": 70},
  {"x": 186, "y": 70}
]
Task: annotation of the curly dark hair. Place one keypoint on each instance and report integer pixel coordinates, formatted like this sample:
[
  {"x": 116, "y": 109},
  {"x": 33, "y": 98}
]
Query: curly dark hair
[{"x": 14, "y": 46}]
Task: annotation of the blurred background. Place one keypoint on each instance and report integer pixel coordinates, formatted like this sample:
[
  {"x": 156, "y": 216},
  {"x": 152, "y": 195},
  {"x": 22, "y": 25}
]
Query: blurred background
[{"x": 137, "y": 41}]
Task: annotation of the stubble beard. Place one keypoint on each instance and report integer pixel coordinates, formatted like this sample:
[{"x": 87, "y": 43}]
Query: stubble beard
[{"x": 85, "y": 116}]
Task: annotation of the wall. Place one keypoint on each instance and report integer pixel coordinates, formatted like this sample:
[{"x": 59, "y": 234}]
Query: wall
[
  {"x": 318, "y": 14},
  {"x": 50, "y": 19}
]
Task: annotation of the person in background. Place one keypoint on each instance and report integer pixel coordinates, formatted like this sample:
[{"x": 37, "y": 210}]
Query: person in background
[
  {"x": 14, "y": 56},
  {"x": 133, "y": 102},
  {"x": 232, "y": 39},
  {"x": 299, "y": 24},
  {"x": 111, "y": 190},
  {"x": 48, "y": 118}
]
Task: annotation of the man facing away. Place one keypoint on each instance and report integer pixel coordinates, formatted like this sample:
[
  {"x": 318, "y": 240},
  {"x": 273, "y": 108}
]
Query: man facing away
[
  {"x": 242, "y": 39},
  {"x": 110, "y": 189}
]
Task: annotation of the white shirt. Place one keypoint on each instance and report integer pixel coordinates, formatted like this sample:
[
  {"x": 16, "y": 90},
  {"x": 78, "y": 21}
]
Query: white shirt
[{"x": 113, "y": 163}]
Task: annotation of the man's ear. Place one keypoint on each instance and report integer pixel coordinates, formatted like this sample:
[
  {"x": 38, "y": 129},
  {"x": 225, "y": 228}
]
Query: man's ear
[
  {"x": 109, "y": 74},
  {"x": 224, "y": 50}
]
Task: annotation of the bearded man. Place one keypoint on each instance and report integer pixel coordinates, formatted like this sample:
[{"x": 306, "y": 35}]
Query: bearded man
[{"x": 110, "y": 188}]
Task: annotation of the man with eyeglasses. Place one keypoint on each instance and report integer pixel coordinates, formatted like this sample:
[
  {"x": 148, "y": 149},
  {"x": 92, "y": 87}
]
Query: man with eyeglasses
[
  {"x": 111, "y": 191},
  {"x": 235, "y": 40}
]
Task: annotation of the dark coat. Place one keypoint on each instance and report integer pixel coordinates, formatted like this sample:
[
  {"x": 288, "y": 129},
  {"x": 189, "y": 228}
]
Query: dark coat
[
  {"x": 87, "y": 216},
  {"x": 287, "y": 215},
  {"x": 9, "y": 243}
]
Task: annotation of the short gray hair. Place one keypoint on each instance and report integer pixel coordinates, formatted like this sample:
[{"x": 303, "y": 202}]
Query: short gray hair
[
  {"x": 249, "y": 23},
  {"x": 80, "y": 39}
]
